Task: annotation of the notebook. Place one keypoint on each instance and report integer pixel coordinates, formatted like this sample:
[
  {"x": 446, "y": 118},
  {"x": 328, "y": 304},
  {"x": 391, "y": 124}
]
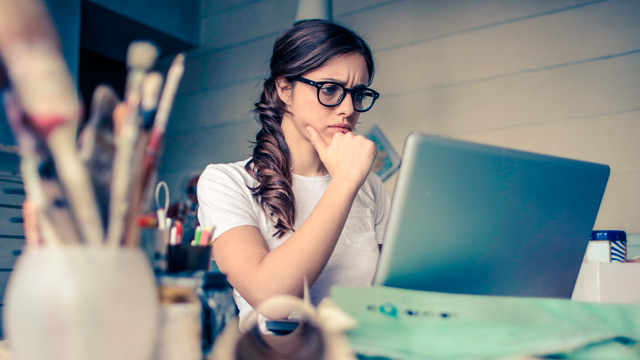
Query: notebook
[{"x": 469, "y": 218}]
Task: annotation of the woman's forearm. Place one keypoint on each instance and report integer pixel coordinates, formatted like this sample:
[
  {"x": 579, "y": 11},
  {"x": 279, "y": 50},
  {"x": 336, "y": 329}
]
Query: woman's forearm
[{"x": 261, "y": 274}]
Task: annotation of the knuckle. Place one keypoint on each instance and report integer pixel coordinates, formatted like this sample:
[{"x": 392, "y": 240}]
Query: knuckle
[{"x": 371, "y": 145}]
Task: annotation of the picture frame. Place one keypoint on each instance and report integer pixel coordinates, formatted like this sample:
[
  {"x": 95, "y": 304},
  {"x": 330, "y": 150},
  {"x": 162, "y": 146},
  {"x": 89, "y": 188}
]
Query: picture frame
[{"x": 387, "y": 161}]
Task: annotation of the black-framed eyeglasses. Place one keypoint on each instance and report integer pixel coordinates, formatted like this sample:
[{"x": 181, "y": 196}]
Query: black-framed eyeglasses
[{"x": 331, "y": 94}]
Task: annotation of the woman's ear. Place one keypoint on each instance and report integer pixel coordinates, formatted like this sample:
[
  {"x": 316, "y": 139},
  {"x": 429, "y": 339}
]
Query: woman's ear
[{"x": 285, "y": 89}]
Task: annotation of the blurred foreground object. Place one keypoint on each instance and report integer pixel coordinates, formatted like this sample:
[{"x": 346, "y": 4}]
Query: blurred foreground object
[
  {"x": 79, "y": 303},
  {"x": 66, "y": 301},
  {"x": 49, "y": 114},
  {"x": 408, "y": 324},
  {"x": 92, "y": 192},
  {"x": 307, "y": 333}
]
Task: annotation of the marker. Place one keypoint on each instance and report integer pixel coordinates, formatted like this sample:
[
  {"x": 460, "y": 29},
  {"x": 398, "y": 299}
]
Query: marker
[
  {"x": 173, "y": 237},
  {"x": 147, "y": 221},
  {"x": 204, "y": 237},
  {"x": 177, "y": 224},
  {"x": 196, "y": 237}
]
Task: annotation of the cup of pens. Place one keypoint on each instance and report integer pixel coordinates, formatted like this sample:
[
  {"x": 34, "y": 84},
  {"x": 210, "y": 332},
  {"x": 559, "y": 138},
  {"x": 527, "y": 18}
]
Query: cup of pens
[
  {"x": 82, "y": 288},
  {"x": 189, "y": 256}
]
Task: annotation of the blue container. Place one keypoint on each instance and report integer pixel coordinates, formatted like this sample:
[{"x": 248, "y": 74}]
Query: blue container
[{"x": 618, "y": 241}]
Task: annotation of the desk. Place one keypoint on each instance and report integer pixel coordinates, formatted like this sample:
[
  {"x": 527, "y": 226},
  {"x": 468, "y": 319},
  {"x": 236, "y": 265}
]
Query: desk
[{"x": 608, "y": 283}]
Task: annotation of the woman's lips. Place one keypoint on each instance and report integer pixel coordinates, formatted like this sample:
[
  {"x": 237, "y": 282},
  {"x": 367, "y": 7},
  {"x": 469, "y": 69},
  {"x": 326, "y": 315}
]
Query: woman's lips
[{"x": 343, "y": 128}]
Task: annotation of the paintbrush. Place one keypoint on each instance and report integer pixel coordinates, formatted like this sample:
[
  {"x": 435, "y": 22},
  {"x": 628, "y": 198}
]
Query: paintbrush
[
  {"x": 140, "y": 58},
  {"x": 99, "y": 124},
  {"x": 57, "y": 210},
  {"x": 44, "y": 193},
  {"x": 154, "y": 148},
  {"x": 151, "y": 86},
  {"x": 47, "y": 94},
  {"x": 29, "y": 160},
  {"x": 168, "y": 94},
  {"x": 96, "y": 145}
]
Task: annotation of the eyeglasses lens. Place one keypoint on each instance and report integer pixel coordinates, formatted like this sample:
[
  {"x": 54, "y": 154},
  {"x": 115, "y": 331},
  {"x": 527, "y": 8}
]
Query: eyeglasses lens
[
  {"x": 332, "y": 94},
  {"x": 363, "y": 99}
]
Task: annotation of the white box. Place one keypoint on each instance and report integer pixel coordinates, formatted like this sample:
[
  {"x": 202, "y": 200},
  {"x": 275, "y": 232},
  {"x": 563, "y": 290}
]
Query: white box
[
  {"x": 599, "y": 250},
  {"x": 608, "y": 283}
]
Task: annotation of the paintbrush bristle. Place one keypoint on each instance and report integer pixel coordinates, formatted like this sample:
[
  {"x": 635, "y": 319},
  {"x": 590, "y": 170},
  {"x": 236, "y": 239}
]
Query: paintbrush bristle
[
  {"x": 141, "y": 55},
  {"x": 169, "y": 92},
  {"x": 179, "y": 59},
  {"x": 103, "y": 94},
  {"x": 151, "y": 86}
]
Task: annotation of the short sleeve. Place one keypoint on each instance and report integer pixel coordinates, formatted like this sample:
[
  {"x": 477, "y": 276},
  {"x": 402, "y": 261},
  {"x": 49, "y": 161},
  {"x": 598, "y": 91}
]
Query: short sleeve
[
  {"x": 383, "y": 206},
  {"x": 224, "y": 200}
]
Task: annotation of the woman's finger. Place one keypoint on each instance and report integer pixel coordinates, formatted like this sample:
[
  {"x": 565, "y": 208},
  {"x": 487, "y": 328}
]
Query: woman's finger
[{"x": 317, "y": 141}]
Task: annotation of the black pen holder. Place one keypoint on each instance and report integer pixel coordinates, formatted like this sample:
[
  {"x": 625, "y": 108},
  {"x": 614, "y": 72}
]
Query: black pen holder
[{"x": 185, "y": 257}]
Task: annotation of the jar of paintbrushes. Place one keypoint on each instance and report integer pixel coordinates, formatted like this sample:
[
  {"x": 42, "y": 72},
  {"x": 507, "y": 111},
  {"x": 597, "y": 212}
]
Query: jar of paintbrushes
[{"x": 82, "y": 288}]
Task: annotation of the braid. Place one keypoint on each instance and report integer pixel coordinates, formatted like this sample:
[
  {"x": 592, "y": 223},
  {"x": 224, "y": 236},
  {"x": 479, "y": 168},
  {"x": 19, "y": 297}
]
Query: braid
[{"x": 270, "y": 163}]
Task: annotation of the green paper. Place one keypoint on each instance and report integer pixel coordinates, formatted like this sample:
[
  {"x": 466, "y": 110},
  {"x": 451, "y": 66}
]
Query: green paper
[{"x": 406, "y": 324}]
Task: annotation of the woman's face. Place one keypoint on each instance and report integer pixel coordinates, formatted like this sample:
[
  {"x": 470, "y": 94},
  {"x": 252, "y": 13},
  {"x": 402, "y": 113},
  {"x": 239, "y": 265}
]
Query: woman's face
[{"x": 305, "y": 110}]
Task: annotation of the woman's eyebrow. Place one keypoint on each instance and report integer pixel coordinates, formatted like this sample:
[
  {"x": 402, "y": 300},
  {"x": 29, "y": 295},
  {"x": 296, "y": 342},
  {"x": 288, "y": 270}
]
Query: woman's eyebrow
[
  {"x": 343, "y": 83},
  {"x": 334, "y": 80}
]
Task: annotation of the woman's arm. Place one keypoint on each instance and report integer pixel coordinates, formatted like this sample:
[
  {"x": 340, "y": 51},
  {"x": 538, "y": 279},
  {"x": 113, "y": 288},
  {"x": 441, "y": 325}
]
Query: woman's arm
[{"x": 258, "y": 273}]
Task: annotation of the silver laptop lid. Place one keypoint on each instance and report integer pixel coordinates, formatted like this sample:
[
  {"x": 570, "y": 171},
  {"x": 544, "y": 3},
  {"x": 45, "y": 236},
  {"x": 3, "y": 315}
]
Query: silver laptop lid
[{"x": 476, "y": 219}]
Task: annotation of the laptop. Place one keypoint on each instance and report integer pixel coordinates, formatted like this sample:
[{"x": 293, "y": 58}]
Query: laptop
[{"x": 468, "y": 218}]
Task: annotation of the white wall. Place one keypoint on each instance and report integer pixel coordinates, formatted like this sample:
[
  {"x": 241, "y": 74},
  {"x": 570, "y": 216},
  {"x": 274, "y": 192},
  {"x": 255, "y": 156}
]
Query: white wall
[{"x": 556, "y": 77}]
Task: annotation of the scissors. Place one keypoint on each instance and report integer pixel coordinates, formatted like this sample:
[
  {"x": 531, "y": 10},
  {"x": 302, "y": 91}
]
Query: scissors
[{"x": 162, "y": 210}]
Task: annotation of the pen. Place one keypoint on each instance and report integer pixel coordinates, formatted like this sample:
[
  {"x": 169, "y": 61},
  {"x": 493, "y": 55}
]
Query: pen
[
  {"x": 173, "y": 236},
  {"x": 177, "y": 224},
  {"x": 147, "y": 221},
  {"x": 166, "y": 231},
  {"x": 204, "y": 237},
  {"x": 196, "y": 237}
]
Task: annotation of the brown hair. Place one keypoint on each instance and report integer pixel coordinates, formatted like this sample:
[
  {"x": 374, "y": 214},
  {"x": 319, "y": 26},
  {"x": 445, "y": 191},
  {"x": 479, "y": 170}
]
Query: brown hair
[{"x": 300, "y": 49}]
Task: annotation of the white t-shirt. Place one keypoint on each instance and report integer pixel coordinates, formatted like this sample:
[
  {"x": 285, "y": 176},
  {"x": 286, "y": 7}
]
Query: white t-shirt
[{"x": 225, "y": 202}]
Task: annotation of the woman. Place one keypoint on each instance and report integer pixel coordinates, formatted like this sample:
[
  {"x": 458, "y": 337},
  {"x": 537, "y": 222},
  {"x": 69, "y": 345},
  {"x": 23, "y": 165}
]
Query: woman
[{"x": 305, "y": 205}]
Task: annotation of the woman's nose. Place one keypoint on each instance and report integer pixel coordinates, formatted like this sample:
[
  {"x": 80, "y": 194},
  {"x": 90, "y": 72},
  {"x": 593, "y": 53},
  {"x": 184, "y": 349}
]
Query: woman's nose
[{"x": 346, "y": 106}]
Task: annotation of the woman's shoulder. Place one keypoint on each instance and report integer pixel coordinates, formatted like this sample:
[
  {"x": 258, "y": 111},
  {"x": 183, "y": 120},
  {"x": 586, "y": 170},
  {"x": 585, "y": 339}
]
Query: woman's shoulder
[
  {"x": 374, "y": 182},
  {"x": 372, "y": 190},
  {"x": 234, "y": 172}
]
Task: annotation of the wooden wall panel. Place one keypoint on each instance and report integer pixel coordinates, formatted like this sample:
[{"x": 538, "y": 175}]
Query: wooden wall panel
[{"x": 557, "y": 77}]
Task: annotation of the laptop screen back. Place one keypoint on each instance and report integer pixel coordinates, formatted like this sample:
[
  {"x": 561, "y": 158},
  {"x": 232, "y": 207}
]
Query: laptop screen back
[{"x": 477, "y": 219}]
